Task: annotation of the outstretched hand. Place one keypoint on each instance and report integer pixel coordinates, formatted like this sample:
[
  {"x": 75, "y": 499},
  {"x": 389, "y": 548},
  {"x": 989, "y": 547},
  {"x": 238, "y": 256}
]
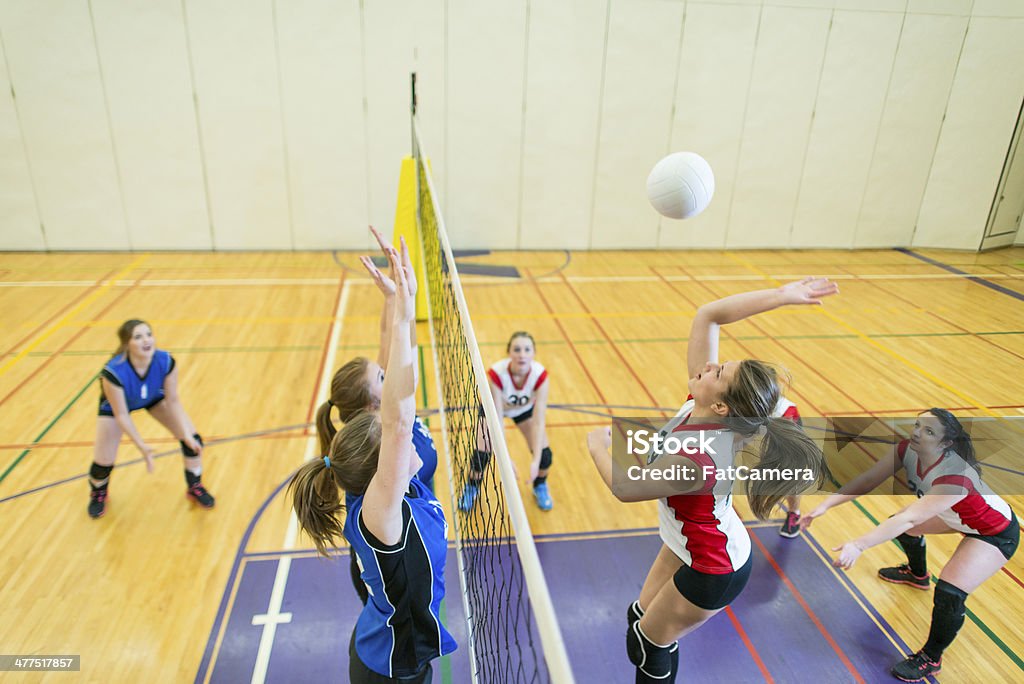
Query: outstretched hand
[
  {"x": 809, "y": 290},
  {"x": 405, "y": 282},
  {"x": 385, "y": 284}
]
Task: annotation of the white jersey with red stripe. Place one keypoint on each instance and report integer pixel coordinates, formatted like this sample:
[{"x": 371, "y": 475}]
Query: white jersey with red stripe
[
  {"x": 519, "y": 398},
  {"x": 982, "y": 511},
  {"x": 703, "y": 529}
]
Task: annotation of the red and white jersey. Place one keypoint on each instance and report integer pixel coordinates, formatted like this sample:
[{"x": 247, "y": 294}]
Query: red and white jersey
[
  {"x": 703, "y": 529},
  {"x": 981, "y": 512},
  {"x": 784, "y": 408},
  {"x": 517, "y": 399}
]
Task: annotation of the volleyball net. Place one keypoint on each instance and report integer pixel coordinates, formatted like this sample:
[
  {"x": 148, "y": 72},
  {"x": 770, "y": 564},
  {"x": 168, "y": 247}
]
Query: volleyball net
[{"x": 513, "y": 635}]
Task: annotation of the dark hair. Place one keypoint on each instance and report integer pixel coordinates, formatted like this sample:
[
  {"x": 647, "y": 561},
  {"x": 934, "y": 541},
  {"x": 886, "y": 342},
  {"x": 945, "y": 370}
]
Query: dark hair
[
  {"x": 124, "y": 334},
  {"x": 751, "y": 398},
  {"x": 315, "y": 489},
  {"x": 520, "y": 333},
  {"x": 350, "y": 394},
  {"x": 954, "y": 433}
]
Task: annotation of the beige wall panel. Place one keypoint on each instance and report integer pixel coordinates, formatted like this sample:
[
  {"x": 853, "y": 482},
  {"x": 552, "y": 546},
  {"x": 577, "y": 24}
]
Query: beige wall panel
[
  {"x": 711, "y": 97},
  {"x": 19, "y": 220},
  {"x": 980, "y": 119},
  {"x": 636, "y": 116},
  {"x": 486, "y": 64},
  {"x": 52, "y": 65},
  {"x": 998, "y": 8},
  {"x": 144, "y": 58},
  {"x": 922, "y": 76},
  {"x": 847, "y": 113},
  {"x": 563, "y": 96},
  {"x": 321, "y": 59},
  {"x": 787, "y": 67},
  {"x": 236, "y": 81},
  {"x": 400, "y": 36}
]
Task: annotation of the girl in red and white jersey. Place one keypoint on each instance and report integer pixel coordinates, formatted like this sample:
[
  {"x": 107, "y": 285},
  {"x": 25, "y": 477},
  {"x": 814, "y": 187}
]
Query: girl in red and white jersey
[
  {"x": 519, "y": 387},
  {"x": 705, "y": 561},
  {"x": 942, "y": 470}
]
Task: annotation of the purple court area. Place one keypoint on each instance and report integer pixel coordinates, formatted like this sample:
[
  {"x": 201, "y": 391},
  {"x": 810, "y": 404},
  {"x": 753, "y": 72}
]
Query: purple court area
[{"x": 797, "y": 621}]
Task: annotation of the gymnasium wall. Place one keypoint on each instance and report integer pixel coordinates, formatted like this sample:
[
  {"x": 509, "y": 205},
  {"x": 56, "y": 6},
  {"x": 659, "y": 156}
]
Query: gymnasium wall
[{"x": 263, "y": 124}]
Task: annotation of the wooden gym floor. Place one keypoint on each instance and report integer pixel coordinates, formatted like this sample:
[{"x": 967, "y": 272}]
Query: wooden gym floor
[{"x": 141, "y": 593}]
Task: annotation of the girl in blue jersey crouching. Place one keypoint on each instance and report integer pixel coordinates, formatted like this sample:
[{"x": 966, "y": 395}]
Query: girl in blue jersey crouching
[{"x": 393, "y": 523}]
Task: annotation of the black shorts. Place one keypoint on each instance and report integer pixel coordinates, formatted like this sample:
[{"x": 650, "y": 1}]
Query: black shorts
[
  {"x": 359, "y": 673},
  {"x": 109, "y": 413},
  {"x": 1006, "y": 541},
  {"x": 523, "y": 417},
  {"x": 711, "y": 592}
]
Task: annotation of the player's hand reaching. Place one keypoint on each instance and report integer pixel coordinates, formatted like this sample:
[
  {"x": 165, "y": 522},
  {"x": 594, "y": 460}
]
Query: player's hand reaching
[
  {"x": 385, "y": 284},
  {"x": 809, "y": 290},
  {"x": 848, "y": 555},
  {"x": 148, "y": 454},
  {"x": 806, "y": 520},
  {"x": 405, "y": 283},
  {"x": 599, "y": 439}
]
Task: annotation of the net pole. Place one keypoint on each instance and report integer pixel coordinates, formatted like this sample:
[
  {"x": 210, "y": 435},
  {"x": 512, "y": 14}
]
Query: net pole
[{"x": 555, "y": 655}]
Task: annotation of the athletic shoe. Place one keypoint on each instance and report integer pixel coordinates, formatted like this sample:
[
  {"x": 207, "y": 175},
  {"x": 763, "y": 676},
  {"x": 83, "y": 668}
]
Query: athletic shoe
[
  {"x": 916, "y": 667},
  {"x": 97, "y": 502},
  {"x": 540, "y": 492},
  {"x": 198, "y": 493},
  {"x": 791, "y": 528},
  {"x": 468, "y": 498},
  {"x": 901, "y": 575}
]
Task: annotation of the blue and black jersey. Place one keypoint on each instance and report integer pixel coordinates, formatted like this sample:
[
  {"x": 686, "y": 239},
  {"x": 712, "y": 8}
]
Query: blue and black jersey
[
  {"x": 140, "y": 391},
  {"x": 399, "y": 630},
  {"x": 425, "y": 449}
]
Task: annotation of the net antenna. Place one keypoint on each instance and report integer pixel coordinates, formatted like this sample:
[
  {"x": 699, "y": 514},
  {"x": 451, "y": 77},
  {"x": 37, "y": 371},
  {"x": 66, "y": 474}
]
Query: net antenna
[{"x": 513, "y": 634}]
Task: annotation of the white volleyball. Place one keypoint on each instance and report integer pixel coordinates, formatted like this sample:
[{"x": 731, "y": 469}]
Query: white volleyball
[{"x": 681, "y": 185}]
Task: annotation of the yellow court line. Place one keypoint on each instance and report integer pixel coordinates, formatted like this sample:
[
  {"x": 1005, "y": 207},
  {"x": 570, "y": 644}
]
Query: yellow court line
[
  {"x": 886, "y": 350},
  {"x": 71, "y": 314}
]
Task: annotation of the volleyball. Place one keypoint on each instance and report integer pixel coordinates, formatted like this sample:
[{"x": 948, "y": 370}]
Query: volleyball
[{"x": 681, "y": 185}]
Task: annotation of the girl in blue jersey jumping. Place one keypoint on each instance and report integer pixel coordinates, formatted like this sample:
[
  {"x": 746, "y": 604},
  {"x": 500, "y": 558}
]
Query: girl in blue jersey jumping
[
  {"x": 140, "y": 376},
  {"x": 392, "y": 521}
]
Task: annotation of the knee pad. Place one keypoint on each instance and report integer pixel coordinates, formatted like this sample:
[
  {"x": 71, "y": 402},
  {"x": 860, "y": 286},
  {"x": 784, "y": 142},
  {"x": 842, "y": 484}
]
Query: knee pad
[
  {"x": 100, "y": 472},
  {"x": 908, "y": 541},
  {"x": 545, "y": 458},
  {"x": 185, "y": 451},
  {"x": 478, "y": 463},
  {"x": 950, "y": 598},
  {"x": 652, "y": 660}
]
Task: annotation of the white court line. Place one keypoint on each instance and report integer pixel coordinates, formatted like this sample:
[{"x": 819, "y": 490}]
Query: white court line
[
  {"x": 274, "y": 617},
  {"x": 259, "y": 282}
]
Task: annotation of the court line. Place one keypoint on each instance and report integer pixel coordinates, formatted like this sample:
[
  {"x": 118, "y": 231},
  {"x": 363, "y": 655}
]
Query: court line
[
  {"x": 52, "y": 356},
  {"x": 274, "y": 616},
  {"x": 58, "y": 313},
  {"x": 983, "y": 281},
  {"x": 749, "y": 644},
  {"x": 60, "y": 323}
]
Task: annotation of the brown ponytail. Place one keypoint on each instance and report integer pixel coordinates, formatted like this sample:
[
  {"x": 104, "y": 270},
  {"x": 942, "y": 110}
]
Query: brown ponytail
[
  {"x": 315, "y": 489},
  {"x": 751, "y": 398},
  {"x": 350, "y": 391}
]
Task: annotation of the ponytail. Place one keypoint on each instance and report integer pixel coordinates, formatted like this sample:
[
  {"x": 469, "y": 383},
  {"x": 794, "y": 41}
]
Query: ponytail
[
  {"x": 325, "y": 429},
  {"x": 959, "y": 439},
  {"x": 784, "y": 446},
  {"x": 317, "y": 502}
]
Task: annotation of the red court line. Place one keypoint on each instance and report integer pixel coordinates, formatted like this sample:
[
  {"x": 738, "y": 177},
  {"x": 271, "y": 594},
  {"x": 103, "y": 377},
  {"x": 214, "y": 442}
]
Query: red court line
[
  {"x": 81, "y": 331},
  {"x": 323, "y": 356},
  {"x": 49, "y": 320},
  {"x": 807, "y": 609},
  {"x": 935, "y": 315},
  {"x": 572, "y": 347},
  {"x": 615, "y": 348},
  {"x": 749, "y": 644}
]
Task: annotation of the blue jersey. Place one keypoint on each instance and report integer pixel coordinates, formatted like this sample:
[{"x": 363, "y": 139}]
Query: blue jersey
[
  {"x": 424, "y": 445},
  {"x": 399, "y": 630},
  {"x": 142, "y": 391}
]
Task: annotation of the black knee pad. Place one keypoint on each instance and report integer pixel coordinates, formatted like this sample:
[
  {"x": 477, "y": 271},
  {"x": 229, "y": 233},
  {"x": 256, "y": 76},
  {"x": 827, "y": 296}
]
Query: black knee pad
[
  {"x": 545, "y": 458},
  {"x": 100, "y": 472},
  {"x": 185, "y": 451},
  {"x": 478, "y": 463},
  {"x": 652, "y": 660},
  {"x": 950, "y": 598}
]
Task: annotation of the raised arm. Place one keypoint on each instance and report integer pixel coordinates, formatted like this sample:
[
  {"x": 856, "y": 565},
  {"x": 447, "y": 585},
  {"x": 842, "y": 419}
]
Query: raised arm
[
  {"x": 397, "y": 461},
  {"x": 704, "y": 331}
]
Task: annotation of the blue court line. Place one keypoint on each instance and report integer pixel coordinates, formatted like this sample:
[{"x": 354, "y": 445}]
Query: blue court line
[{"x": 952, "y": 269}]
